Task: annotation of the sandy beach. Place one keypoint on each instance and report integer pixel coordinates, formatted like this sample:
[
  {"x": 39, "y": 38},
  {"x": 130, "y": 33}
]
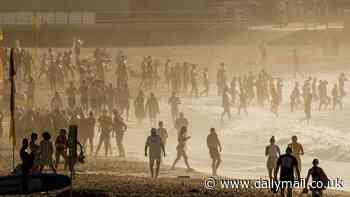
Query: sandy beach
[
  {"x": 130, "y": 178},
  {"x": 244, "y": 138}
]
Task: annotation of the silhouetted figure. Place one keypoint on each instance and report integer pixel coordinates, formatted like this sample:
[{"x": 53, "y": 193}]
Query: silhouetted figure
[
  {"x": 206, "y": 82},
  {"x": 336, "y": 99},
  {"x": 156, "y": 147},
  {"x": 181, "y": 121},
  {"x": 162, "y": 132},
  {"x": 26, "y": 158},
  {"x": 89, "y": 134},
  {"x": 226, "y": 104},
  {"x": 214, "y": 146},
  {"x": 181, "y": 148},
  {"x": 46, "y": 152},
  {"x": 272, "y": 152},
  {"x": 119, "y": 128},
  {"x": 174, "y": 102},
  {"x": 61, "y": 144},
  {"x": 152, "y": 109},
  {"x": 105, "y": 122},
  {"x": 288, "y": 165},
  {"x": 297, "y": 150},
  {"x": 320, "y": 180}
]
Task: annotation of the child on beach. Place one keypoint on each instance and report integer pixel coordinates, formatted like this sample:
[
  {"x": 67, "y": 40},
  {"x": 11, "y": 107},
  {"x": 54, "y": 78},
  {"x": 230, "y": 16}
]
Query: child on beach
[{"x": 46, "y": 152}]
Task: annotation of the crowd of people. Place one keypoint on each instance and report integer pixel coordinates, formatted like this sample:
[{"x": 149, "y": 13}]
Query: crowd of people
[{"x": 83, "y": 95}]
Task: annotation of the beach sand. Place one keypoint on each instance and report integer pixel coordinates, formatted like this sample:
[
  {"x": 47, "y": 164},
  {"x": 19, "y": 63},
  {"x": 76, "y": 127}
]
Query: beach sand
[{"x": 131, "y": 178}]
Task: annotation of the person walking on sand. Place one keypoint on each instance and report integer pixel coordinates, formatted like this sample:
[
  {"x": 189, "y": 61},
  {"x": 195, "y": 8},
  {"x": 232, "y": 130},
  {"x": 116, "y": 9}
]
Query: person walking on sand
[
  {"x": 319, "y": 179},
  {"x": 90, "y": 122},
  {"x": 174, "y": 102},
  {"x": 139, "y": 106},
  {"x": 226, "y": 104},
  {"x": 162, "y": 132},
  {"x": 215, "y": 148},
  {"x": 323, "y": 94},
  {"x": 152, "y": 109},
  {"x": 120, "y": 128},
  {"x": 105, "y": 122},
  {"x": 243, "y": 102},
  {"x": 181, "y": 121},
  {"x": 181, "y": 148},
  {"x": 156, "y": 146},
  {"x": 297, "y": 150},
  {"x": 206, "y": 82},
  {"x": 307, "y": 106},
  {"x": 288, "y": 165},
  {"x": 272, "y": 152}
]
